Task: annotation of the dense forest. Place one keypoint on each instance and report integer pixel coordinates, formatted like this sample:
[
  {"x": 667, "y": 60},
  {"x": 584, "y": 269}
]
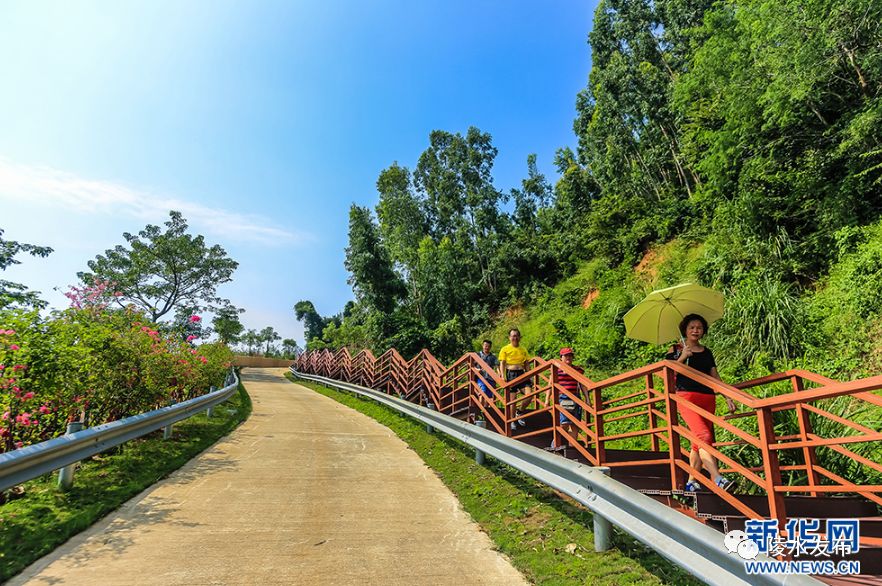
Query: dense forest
[{"x": 735, "y": 144}]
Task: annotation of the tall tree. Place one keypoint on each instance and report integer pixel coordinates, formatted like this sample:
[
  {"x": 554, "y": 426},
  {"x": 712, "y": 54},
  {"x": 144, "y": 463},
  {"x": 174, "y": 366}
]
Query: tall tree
[
  {"x": 290, "y": 349},
  {"x": 783, "y": 100},
  {"x": 163, "y": 270},
  {"x": 454, "y": 176},
  {"x": 371, "y": 275},
  {"x": 402, "y": 219},
  {"x": 252, "y": 341},
  {"x": 16, "y": 293},
  {"x": 630, "y": 135},
  {"x": 226, "y": 324},
  {"x": 268, "y": 335},
  {"x": 313, "y": 323}
]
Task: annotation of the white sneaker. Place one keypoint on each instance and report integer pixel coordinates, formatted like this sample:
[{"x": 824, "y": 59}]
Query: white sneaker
[
  {"x": 514, "y": 426},
  {"x": 521, "y": 422}
]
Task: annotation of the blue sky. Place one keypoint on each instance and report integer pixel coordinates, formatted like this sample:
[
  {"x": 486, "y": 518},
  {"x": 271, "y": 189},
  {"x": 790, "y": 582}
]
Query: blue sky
[{"x": 262, "y": 122}]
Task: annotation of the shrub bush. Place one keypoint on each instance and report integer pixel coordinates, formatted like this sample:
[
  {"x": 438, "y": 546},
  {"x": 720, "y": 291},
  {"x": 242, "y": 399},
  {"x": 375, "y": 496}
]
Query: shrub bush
[{"x": 96, "y": 364}]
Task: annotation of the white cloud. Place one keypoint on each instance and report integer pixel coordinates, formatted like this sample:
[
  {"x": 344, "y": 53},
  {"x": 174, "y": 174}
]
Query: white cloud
[{"x": 52, "y": 187}]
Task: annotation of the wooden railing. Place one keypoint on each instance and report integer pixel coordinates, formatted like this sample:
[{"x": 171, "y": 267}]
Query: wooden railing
[{"x": 639, "y": 409}]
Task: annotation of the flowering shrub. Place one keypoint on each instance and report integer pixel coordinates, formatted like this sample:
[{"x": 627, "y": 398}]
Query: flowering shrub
[{"x": 89, "y": 361}]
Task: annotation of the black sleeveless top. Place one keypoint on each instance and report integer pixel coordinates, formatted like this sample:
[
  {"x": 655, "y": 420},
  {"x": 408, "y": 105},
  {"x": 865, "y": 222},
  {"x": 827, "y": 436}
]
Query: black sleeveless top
[{"x": 700, "y": 361}]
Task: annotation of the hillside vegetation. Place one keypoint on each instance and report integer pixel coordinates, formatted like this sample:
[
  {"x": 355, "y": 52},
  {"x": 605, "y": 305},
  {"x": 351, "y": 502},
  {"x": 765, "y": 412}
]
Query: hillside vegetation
[{"x": 734, "y": 144}]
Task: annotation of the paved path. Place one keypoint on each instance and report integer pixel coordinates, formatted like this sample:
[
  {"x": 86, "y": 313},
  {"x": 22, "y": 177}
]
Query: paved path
[{"x": 306, "y": 491}]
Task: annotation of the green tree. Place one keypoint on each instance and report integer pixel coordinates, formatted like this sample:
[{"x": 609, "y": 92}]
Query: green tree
[
  {"x": 252, "y": 340},
  {"x": 454, "y": 178},
  {"x": 12, "y": 294},
  {"x": 629, "y": 132},
  {"x": 371, "y": 275},
  {"x": 226, "y": 324},
  {"x": 402, "y": 219},
  {"x": 783, "y": 105},
  {"x": 313, "y": 323},
  {"x": 268, "y": 335},
  {"x": 290, "y": 349},
  {"x": 163, "y": 270}
]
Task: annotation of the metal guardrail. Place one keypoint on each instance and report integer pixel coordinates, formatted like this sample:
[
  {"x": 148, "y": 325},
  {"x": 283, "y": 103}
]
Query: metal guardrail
[
  {"x": 35, "y": 460},
  {"x": 689, "y": 544}
]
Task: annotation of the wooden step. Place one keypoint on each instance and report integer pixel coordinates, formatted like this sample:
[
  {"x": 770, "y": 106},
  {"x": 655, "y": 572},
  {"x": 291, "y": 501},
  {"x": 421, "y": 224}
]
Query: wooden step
[{"x": 708, "y": 504}]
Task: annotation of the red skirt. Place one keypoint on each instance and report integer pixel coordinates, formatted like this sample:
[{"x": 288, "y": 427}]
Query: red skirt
[{"x": 697, "y": 423}]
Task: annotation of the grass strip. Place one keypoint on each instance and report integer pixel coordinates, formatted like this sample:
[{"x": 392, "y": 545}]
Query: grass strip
[
  {"x": 44, "y": 517},
  {"x": 547, "y": 537}
]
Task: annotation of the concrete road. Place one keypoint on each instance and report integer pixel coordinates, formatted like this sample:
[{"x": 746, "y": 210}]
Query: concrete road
[{"x": 306, "y": 491}]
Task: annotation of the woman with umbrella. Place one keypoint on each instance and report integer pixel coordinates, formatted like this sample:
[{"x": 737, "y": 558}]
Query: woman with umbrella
[
  {"x": 692, "y": 353},
  {"x": 685, "y": 310}
]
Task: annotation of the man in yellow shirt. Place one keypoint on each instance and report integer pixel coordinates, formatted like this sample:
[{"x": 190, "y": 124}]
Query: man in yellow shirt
[{"x": 512, "y": 364}]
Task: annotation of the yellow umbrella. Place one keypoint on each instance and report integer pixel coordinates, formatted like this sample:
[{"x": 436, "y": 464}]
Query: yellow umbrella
[{"x": 657, "y": 317}]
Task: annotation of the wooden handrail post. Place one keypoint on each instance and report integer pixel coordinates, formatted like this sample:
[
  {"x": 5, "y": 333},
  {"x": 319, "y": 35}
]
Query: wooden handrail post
[
  {"x": 555, "y": 410},
  {"x": 649, "y": 413},
  {"x": 473, "y": 386},
  {"x": 771, "y": 465},
  {"x": 509, "y": 409},
  {"x": 805, "y": 429},
  {"x": 677, "y": 475},
  {"x": 600, "y": 445}
]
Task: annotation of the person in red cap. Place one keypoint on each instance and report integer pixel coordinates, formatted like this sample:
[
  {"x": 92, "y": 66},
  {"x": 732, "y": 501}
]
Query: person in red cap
[{"x": 570, "y": 387}]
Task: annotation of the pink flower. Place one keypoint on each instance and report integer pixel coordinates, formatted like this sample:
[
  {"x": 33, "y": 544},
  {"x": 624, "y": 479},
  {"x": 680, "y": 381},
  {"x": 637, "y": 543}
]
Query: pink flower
[
  {"x": 5, "y": 415},
  {"x": 28, "y": 395},
  {"x": 44, "y": 409},
  {"x": 145, "y": 329},
  {"x": 19, "y": 367},
  {"x": 195, "y": 319},
  {"x": 19, "y": 445},
  {"x": 191, "y": 337},
  {"x": 14, "y": 347}
]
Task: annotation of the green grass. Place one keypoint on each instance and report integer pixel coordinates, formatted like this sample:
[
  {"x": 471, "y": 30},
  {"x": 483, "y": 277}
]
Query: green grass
[
  {"x": 44, "y": 517},
  {"x": 547, "y": 536}
]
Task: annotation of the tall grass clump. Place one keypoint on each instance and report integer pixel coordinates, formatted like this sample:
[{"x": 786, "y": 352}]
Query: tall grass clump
[{"x": 761, "y": 327}]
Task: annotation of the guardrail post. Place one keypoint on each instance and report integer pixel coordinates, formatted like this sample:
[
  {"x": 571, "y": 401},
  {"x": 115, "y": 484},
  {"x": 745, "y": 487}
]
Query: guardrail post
[
  {"x": 167, "y": 431},
  {"x": 66, "y": 474},
  {"x": 210, "y": 411},
  {"x": 479, "y": 454},
  {"x": 429, "y": 428},
  {"x": 602, "y": 527}
]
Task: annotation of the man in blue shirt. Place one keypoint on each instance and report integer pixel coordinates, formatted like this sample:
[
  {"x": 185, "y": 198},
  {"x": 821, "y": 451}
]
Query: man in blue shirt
[{"x": 488, "y": 357}]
